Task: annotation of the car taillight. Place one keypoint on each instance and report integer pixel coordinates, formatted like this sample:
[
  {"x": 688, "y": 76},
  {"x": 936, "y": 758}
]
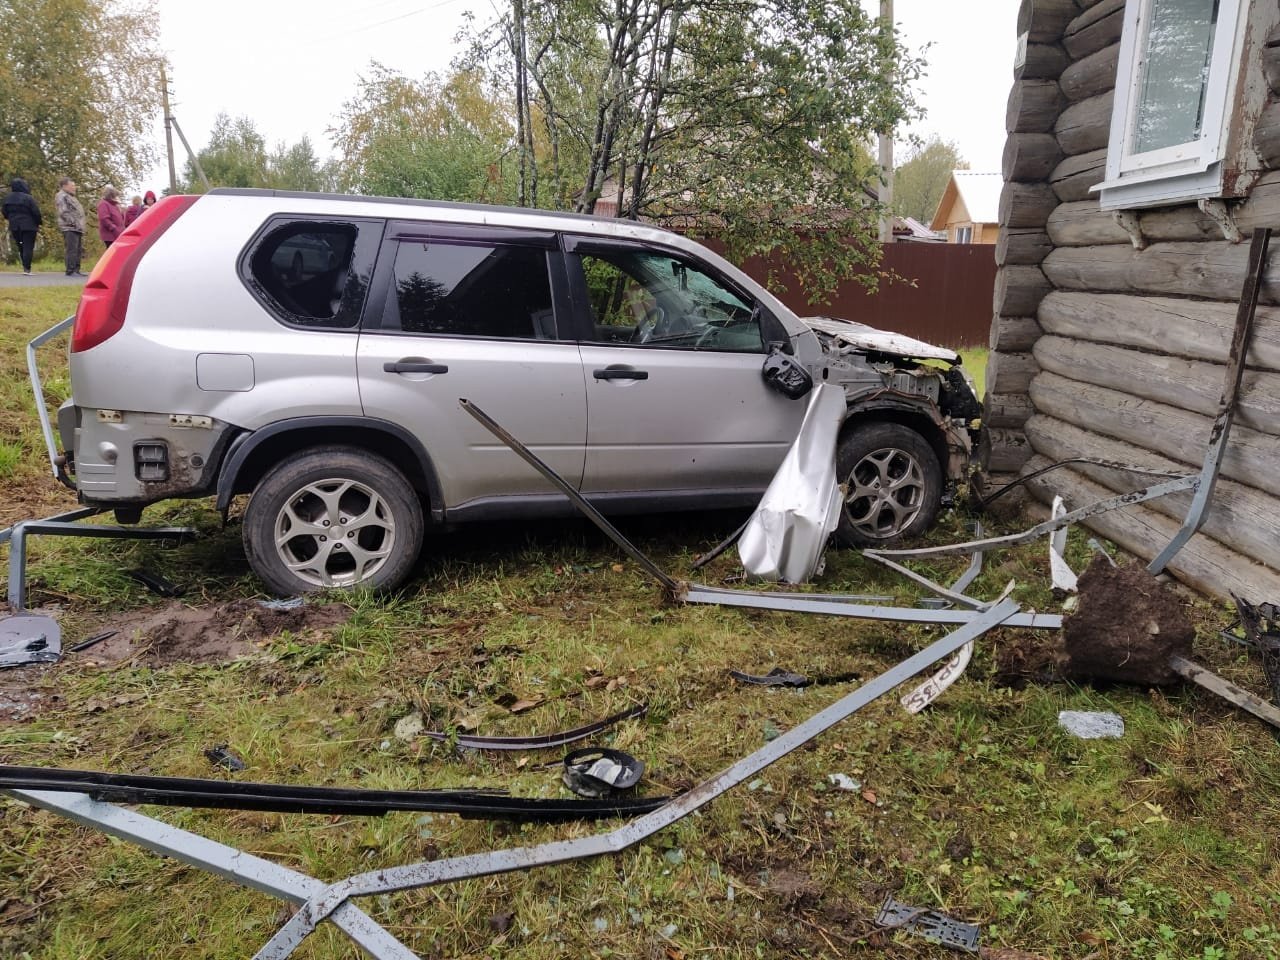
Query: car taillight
[{"x": 106, "y": 292}]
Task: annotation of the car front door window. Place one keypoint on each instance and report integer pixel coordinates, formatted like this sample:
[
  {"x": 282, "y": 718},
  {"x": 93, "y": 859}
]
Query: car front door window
[{"x": 652, "y": 299}]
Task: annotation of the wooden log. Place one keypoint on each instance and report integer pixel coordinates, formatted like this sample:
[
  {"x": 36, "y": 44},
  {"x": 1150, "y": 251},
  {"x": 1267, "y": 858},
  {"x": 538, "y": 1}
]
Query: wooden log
[
  {"x": 1213, "y": 271},
  {"x": 1014, "y": 334},
  {"x": 1043, "y": 21},
  {"x": 1241, "y": 516},
  {"x": 1203, "y": 564},
  {"x": 1010, "y": 372},
  {"x": 1086, "y": 125},
  {"x": 1072, "y": 178},
  {"x": 1266, "y": 135},
  {"x": 1194, "y": 385},
  {"x": 1095, "y": 29},
  {"x": 1006, "y": 409},
  {"x": 1019, "y": 290},
  {"x": 1034, "y": 106},
  {"x": 1091, "y": 76},
  {"x": 1026, "y": 204},
  {"x": 1084, "y": 223},
  {"x": 1030, "y": 156},
  {"x": 1043, "y": 61},
  {"x": 1002, "y": 451},
  {"x": 1022, "y": 246},
  {"x": 1271, "y": 60},
  {"x": 1195, "y": 329},
  {"x": 1250, "y": 458}
]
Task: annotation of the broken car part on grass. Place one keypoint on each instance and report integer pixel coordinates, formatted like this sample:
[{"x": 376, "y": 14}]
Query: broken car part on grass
[
  {"x": 928, "y": 924},
  {"x": 27, "y": 639},
  {"x": 1261, "y": 625},
  {"x": 541, "y": 741},
  {"x": 600, "y": 771},
  {"x": 318, "y": 902}
]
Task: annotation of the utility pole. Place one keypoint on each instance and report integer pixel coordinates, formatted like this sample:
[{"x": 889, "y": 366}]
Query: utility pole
[
  {"x": 886, "y": 139},
  {"x": 168, "y": 129}
]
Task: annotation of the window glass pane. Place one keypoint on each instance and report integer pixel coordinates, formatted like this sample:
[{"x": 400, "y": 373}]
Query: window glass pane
[
  {"x": 655, "y": 300},
  {"x": 305, "y": 268},
  {"x": 464, "y": 290},
  {"x": 1175, "y": 73}
]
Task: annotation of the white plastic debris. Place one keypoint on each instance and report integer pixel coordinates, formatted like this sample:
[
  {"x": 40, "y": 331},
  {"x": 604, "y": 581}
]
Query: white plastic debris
[
  {"x": 1064, "y": 579},
  {"x": 1091, "y": 725},
  {"x": 929, "y": 691},
  {"x": 843, "y": 781},
  {"x": 786, "y": 537}
]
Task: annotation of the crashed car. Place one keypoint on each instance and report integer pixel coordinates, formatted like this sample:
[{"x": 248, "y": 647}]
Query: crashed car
[{"x": 213, "y": 355}]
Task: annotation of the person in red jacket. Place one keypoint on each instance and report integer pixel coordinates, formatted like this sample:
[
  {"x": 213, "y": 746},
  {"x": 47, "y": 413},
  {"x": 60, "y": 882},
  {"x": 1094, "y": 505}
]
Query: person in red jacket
[{"x": 110, "y": 216}]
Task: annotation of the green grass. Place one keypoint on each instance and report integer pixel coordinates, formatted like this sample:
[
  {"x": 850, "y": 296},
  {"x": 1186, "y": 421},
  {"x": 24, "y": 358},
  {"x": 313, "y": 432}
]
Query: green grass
[
  {"x": 1159, "y": 846},
  {"x": 974, "y": 360}
]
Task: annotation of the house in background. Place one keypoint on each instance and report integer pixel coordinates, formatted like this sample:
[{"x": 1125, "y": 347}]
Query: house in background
[
  {"x": 1143, "y": 151},
  {"x": 911, "y": 230},
  {"x": 969, "y": 209}
]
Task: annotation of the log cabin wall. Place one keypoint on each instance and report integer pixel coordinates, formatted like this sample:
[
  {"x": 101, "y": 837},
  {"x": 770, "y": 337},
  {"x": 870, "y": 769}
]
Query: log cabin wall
[{"x": 1102, "y": 350}]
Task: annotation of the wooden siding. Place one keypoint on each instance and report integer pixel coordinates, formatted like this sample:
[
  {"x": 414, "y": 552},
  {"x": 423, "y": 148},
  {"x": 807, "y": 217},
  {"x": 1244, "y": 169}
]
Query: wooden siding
[{"x": 1114, "y": 349}]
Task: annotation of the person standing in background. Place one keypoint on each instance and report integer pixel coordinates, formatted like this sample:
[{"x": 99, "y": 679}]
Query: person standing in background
[
  {"x": 71, "y": 223},
  {"x": 23, "y": 213},
  {"x": 134, "y": 210},
  {"x": 149, "y": 199},
  {"x": 110, "y": 216}
]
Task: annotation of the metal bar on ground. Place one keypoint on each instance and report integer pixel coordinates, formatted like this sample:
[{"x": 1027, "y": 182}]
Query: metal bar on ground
[
  {"x": 38, "y": 388},
  {"x": 1224, "y": 688},
  {"x": 223, "y": 861},
  {"x": 432, "y": 873},
  {"x": 1237, "y": 355},
  {"x": 579, "y": 501},
  {"x": 19, "y": 532},
  {"x": 80, "y": 513}
]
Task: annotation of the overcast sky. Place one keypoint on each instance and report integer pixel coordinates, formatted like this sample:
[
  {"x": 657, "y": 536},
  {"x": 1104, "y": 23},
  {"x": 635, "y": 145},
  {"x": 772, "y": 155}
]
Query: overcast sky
[{"x": 289, "y": 65}]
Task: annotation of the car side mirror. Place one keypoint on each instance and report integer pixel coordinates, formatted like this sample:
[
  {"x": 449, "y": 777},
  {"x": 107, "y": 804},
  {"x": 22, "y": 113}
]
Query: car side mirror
[{"x": 785, "y": 374}]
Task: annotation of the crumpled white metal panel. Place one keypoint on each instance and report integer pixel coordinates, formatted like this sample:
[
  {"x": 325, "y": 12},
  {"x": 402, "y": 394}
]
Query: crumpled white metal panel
[{"x": 786, "y": 537}]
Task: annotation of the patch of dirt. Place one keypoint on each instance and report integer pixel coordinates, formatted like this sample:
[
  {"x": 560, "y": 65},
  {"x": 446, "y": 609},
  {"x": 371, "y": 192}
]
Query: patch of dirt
[
  {"x": 1026, "y": 657},
  {"x": 1127, "y": 627},
  {"x": 21, "y": 697},
  {"x": 176, "y": 633},
  {"x": 793, "y": 888}
]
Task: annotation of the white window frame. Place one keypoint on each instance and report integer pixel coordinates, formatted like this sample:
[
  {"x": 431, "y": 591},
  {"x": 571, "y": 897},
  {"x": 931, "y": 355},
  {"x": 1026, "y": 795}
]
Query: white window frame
[
  {"x": 1184, "y": 171},
  {"x": 964, "y": 234}
]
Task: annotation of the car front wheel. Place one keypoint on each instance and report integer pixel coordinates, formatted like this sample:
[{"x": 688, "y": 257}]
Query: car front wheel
[
  {"x": 333, "y": 517},
  {"x": 893, "y": 484}
]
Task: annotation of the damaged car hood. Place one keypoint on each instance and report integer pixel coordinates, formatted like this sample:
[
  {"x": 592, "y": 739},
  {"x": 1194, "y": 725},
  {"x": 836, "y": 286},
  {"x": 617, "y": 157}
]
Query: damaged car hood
[{"x": 861, "y": 337}]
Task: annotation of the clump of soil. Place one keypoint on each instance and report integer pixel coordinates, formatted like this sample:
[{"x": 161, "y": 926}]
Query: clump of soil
[
  {"x": 176, "y": 633},
  {"x": 1025, "y": 657},
  {"x": 1127, "y": 627}
]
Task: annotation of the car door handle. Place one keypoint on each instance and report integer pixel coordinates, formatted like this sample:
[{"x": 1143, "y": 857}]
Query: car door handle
[
  {"x": 414, "y": 365},
  {"x": 620, "y": 373}
]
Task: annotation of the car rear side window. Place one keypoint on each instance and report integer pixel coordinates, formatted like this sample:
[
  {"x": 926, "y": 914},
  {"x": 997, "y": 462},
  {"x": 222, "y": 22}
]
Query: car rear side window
[
  {"x": 313, "y": 273},
  {"x": 470, "y": 290}
]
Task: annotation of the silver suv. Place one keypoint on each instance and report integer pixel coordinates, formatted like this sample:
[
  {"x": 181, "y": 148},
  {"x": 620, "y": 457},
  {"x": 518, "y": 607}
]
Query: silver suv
[{"x": 311, "y": 351}]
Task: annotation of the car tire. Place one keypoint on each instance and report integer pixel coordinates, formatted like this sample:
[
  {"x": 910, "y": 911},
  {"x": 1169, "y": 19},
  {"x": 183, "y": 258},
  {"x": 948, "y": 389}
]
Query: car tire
[
  {"x": 300, "y": 500},
  {"x": 894, "y": 484}
]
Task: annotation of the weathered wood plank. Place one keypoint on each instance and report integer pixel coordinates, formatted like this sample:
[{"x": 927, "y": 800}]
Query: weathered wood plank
[
  {"x": 1014, "y": 334},
  {"x": 1006, "y": 409},
  {"x": 1194, "y": 385},
  {"x": 1246, "y": 518},
  {"x": 1019, "y": 290},
  {"x": 1010, "y": 372},
  {"x": 1096, "y": 28},
  {"x": 1022, "y": 246},
  {"x": 1043, "y": 61},
  {"x": 1091, "y": 76},
  {"x": 1203, "y": 564},
  {"x": 1250, "y": 458},
  {"x": 1211, "y": 270},
  {"x": 1033, "y": 107},
  {"x": 1086, "y": 125},
  {"x": 1026, "y": 204},
  {"x": 1043, "y": 21},
  {"x": 1266, "y": 135},
  {"x": 1195, "y": 329},
  {"x": 1002, "y": 451},
  {"x": 1030, "y": 156},
  {"x": 1072, "y": 178}
]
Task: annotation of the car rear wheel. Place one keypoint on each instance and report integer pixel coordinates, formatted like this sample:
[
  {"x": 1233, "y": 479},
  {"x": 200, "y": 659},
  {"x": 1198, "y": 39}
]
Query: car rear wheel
[
  {"x": 894, "y": 484},
  {"x": 333, "y": 517}
]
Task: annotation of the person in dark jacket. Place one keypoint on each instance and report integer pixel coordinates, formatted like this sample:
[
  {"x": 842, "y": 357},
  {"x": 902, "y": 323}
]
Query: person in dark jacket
[
  {"x": 23, "y": 213},
  {"x": 110, "y": 216}
]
